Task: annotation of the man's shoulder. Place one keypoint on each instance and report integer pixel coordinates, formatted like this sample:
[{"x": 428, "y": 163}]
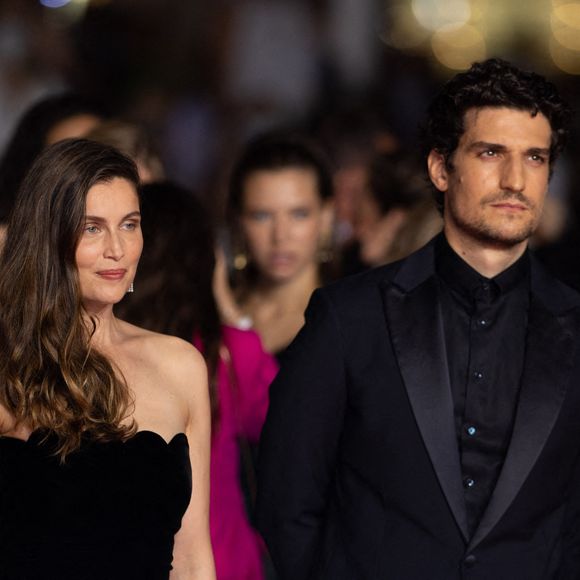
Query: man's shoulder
[
  {"x": 363, "y": 282},
  {"x": 553, "y": 292},
  {"x": 414, "y": 268}
]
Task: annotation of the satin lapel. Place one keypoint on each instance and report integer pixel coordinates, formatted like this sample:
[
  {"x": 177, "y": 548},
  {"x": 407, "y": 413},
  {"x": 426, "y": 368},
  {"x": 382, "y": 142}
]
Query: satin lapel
[
  {"x": 416, "y": 327},
  {"x": 549, "y": 349}
]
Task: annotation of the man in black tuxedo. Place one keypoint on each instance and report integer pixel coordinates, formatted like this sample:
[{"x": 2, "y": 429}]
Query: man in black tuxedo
[{"x": 426, "y": 422}]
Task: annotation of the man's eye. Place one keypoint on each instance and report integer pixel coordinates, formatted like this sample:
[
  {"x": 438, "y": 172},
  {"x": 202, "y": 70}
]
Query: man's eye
[{"x": 538, "y": 158}]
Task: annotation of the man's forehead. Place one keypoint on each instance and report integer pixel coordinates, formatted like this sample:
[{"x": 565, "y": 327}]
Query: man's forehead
[
  {"x": 474, "y": 114},
  {"x": 498, "y": 121}
]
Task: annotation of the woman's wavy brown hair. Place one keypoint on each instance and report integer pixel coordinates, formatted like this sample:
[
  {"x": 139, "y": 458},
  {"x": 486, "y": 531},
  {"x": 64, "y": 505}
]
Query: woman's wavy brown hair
[{"x": 50, "y": 378}]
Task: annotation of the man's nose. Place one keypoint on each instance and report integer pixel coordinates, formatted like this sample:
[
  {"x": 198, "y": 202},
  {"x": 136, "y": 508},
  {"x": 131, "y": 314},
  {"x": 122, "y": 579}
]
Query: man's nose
[{"x": 513, "y": 175}]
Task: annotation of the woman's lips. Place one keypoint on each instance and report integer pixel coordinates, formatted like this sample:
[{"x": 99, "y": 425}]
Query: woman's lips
[
  {"x": 112, "y": 274},
  {"x": 281, "y": 259}
]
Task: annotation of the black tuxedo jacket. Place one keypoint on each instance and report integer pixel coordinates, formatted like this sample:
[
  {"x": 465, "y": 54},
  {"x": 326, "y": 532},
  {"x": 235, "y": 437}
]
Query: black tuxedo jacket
[{"x": 359, "y": 475}]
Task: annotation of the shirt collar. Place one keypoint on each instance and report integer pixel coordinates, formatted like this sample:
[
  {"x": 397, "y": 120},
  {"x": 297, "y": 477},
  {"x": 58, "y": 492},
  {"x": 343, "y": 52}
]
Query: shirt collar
[{"x": 462, "y": 278}]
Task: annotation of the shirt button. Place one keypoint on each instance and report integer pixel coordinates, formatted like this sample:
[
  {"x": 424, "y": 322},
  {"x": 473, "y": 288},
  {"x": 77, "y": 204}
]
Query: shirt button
[
  {"x": 471, "y": 430},
  {"x": 470, "y": 561},
  {"x": 477, "y": 375},
  {"x": 482, "y": 322},
  {"x": 485, "y": 286},
  {"x": 468, "y": 482}
]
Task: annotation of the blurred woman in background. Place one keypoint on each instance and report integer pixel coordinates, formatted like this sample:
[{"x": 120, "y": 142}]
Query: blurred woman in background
[
  {"x": 173, "y": 295},
  {"x": 105, "y": 426},
  {"x": 50, "y": 120},
  {"x": 131, "y": 140},
  {"x": 280, "y": 213}
]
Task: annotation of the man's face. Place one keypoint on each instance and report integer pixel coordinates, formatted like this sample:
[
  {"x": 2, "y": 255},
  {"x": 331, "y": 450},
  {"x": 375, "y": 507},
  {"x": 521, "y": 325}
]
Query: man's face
[{"x": 495, "y": 192}]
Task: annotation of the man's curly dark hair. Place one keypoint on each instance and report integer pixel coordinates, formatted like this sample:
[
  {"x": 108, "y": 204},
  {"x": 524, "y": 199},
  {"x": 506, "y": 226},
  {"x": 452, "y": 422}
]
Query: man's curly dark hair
[{"x": 491, "y": 83}]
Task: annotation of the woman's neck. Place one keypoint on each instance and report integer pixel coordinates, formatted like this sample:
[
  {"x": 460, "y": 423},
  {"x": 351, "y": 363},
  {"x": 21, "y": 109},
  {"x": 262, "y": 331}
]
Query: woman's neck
[
  {"x": 106, "y": 332},
  {"x": 289, "y": 293}
]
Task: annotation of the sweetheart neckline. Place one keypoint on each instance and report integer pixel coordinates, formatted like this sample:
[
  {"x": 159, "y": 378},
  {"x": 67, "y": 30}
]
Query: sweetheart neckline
[{"x": 140, "y": 433}]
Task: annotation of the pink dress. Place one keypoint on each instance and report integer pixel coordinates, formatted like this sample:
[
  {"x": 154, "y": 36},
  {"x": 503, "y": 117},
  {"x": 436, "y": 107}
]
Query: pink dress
[{"x": 236, "y": 545}]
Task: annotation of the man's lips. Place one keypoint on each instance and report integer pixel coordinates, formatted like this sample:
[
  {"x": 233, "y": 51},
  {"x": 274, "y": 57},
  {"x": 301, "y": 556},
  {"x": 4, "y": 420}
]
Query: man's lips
[
  {"x": 510, "y": 206},
  {"x": 112, "y": 274}
]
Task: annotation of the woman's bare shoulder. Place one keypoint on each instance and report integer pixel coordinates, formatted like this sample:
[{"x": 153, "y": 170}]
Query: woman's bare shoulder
[{"x": 178, "y": 360}]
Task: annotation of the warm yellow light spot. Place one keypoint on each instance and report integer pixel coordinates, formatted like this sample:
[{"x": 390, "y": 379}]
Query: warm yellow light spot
[
  {"x": 479, "y": 10},
  {"x": 434, "y": 14},
  {"x": 565, "y": 59},
  {"x": 405, "y": 32},
  {"x": 458, "y": 48},
  {"x": 565, "y": 24}
]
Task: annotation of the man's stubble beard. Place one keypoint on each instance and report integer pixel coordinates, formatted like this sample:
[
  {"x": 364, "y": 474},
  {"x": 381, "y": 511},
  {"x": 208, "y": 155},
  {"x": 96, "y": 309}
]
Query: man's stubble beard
[{"x": 492, "y": 234}]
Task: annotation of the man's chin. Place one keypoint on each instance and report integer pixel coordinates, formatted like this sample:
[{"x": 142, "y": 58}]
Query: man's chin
[
  {"x": 502, "y": 238},
  {"x": 492, "y": 235}
]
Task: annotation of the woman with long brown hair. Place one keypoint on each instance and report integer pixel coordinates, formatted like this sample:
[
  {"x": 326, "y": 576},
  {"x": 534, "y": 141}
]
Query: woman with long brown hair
[{"x": 104, "y": 453}]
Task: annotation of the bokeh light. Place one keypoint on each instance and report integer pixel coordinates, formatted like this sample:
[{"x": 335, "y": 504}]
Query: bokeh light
[
  {"x": 54, "y": 3},
  {"x": 434, "y": 14},
  {"x": 405, "y": 33},
  {"x": 565, "y": 59},
  {"x": 458, "y": 48},
  {"x": 565, "y": 25}
]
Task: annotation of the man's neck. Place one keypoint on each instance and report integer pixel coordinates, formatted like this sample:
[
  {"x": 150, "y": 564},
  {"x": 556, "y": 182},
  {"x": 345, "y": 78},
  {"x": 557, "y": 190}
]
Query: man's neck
[{"x": 487, "y": 259}]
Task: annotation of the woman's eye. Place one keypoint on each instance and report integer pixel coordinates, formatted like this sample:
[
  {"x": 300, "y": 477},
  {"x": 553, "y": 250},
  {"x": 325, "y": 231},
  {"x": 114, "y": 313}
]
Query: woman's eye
[
  {"x": 130, "y": 226},
  {"x": 91, "y": 229},
  {"x": 301, "y": 213},
  {"x": 259, "y": 216}
]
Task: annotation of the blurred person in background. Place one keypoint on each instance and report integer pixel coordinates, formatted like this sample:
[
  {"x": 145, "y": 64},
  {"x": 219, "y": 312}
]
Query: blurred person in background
[
  {"x": 132, "y": 140},
  {"x": 280, "y": 212},
  {"x": 395, "y": 216},
  {"x": 105, "y": 426},
  {"x": 561, "y": 255},
  {"x": 173, "y": 295},
  {"x": 352, "y": 133},
  {"x": 52, "y": 119}
]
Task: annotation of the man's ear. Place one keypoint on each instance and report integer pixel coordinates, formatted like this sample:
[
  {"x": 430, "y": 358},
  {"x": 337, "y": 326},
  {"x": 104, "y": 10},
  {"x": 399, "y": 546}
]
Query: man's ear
[{"x": 438, "y": 172}]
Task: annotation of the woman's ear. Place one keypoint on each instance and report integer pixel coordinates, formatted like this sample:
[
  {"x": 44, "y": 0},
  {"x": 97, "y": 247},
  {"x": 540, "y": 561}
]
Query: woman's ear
[{"x": 438, "y": 171}]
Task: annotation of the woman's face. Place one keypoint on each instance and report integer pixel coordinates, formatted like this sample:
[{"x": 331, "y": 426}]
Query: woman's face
[
  {"x": 282, "y": 221},
  {"x": 110, "y": 244},
  {"x": 72, "y": 127}
]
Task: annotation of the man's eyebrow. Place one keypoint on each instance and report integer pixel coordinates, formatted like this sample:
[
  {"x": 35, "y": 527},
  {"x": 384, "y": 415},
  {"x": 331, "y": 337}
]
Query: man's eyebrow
[
  {"x": 98, "y": 219},
  {"x": 482, "y": 145},
  {"x": 486, "y": 145},
  {"x": 539, "y": 151}
]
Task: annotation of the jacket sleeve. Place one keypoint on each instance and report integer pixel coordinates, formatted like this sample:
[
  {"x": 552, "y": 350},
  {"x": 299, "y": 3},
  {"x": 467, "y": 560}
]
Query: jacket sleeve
[
  {"x": 569, "y": 565},
  {"x": 299, "y": 446}
]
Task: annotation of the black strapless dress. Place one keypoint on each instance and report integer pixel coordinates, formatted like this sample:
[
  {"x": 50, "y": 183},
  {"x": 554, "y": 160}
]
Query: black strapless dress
[{"x": 109, "y": 513}]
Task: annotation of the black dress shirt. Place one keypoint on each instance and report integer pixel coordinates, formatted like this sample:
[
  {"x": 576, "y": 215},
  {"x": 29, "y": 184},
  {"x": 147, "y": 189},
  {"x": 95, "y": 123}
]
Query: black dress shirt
[{"x": 485, "y": 322}]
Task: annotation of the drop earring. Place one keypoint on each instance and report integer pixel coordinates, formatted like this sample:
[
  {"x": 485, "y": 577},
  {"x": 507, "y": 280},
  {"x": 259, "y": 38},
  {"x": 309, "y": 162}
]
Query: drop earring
[
  {"x": 240, "y": 261},
  {"x": 130, "y": 289}
]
